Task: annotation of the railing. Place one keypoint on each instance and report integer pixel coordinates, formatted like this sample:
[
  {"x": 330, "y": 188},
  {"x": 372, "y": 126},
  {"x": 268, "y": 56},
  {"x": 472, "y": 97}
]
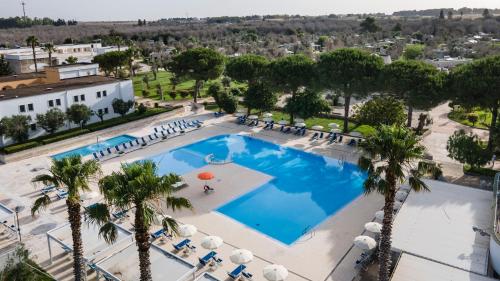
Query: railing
[{"x": 495, "y": 236}]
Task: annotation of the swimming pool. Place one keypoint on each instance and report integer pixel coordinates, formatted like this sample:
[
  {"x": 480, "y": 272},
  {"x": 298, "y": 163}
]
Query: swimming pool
[
  {"x": 306, "y": 188},
  {"x": 89, "y": 149}
]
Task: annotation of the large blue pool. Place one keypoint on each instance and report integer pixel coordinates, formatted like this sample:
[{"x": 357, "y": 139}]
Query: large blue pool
[
  {"x": 306, "y": 188},
  {"x": 96, "y": 147}
]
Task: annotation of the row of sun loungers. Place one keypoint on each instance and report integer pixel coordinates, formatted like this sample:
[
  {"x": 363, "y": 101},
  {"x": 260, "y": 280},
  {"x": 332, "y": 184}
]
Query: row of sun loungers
[{"x": 163, "y": 132}]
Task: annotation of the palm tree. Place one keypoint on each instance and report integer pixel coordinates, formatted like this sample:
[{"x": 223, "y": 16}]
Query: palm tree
[
  {"x": 49, "y": 48},
  {"x": 137, "y": 186},
  {"x": 32, "y": 41},
  {"x": 73, "y": 175},
  {"x": 393, "y": 152}
]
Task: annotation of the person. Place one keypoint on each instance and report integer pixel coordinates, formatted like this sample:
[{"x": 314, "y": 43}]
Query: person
[{"x": 207, "y": 188}]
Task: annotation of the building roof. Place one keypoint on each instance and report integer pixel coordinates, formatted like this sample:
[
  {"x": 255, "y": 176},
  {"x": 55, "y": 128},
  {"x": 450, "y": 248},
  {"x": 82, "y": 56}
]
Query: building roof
[
  {"x": 412, "y": 268},
  {"x": 438, "y": 225},
  {"x": 20, "y": 77},
  {"x": 63, "y": 85}
]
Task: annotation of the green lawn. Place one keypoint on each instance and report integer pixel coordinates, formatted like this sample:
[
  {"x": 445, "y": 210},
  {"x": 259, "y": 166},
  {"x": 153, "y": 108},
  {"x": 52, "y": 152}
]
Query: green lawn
[
  {"x": 163, "y": 78},
  {"x": 278, "y": 115},
  {"x": 460, "y": 116}
]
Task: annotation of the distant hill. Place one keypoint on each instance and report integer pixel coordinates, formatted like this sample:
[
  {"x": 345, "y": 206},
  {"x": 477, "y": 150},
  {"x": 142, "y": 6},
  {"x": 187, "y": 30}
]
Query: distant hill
[{"x": 435, "y": 12}]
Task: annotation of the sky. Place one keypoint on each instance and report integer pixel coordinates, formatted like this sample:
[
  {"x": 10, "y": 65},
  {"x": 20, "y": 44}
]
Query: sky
[{"x": 108, "y": 10}]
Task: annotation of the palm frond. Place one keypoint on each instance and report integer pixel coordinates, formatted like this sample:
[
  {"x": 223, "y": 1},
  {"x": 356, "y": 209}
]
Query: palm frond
[
  {"x": 177, "y": 203},
  {"x": 97, "y": 213},
  {"x": 40, "y": 203},
  {"x": 170, "y": 225},
  {"x": 417, "y": 184},
  {"x": 109, "y": 232},
  {"x": 45, "y": 179}
]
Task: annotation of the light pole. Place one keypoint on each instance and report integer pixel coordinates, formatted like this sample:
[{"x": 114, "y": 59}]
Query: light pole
[{"x": 18, "y": 209}]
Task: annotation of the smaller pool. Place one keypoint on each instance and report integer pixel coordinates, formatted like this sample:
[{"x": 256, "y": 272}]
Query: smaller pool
[{"x": 89, "y": 149}]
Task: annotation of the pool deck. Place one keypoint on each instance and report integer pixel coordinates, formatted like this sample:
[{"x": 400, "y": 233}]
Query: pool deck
[{"x": 324, "y": 254}]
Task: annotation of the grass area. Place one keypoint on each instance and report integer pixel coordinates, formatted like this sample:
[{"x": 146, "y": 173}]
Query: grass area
[
  {"x": 279, "y": 115},
  {"x": 484, "y": 117},
  {"x": 163, "y": 78},
  {"x": 59, "y": 136}
]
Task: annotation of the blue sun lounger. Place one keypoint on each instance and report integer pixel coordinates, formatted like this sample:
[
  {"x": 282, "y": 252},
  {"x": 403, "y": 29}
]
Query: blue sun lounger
[
  {"x": 61, "y": 194},
  {"x": 315, "y": 136},
  {"x": 288, "y": 130},
  {"x": 101, "y": 153},
  {"x": 117, "y": 148},
  {"x": 236, "y": 273},
  {"x": 119, "y": 214},
  {"x": 181, "y": 245},
  {"x": 96, "y": 157},
  {"x": 48, "y": 189},
  {"x": 207, "y": 258},
  {"x": 159, "y": 233},
  {"x": 108, "y": 149}
]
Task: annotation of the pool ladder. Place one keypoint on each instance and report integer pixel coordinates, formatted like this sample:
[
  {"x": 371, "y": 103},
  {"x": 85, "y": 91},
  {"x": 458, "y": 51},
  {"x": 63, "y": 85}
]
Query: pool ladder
[{"x": 342, "y": 160}]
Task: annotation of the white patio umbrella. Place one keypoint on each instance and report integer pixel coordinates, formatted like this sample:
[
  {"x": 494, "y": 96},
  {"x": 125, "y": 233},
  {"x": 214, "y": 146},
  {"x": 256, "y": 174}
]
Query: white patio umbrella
[
  {"x": 283, "y": 122},
  {"x": 356, "y": 134},
  {"x": 89, "y": 195},
  {"x": 365, "y": 242},
  {"x": 317, "y": 127},
  {"x": 379, "y": 215},
  {"x": 335, "y": 130},
  {"x": 187, "y": 230},
  {"x": 275, "y": 272},
  {"x": 401, "y": 195},
  {"x": 299, "y": 120},
  {"x": 300, "y": 125},
  {"x": 268, "y": 119},
  {"x": 211, "y": 242},
  {"x": 267, "y": 114},
  {"x": 333, "y": 125},
  {"x": 374, "y": 227},
  {"x": 253, "y": 117},
  {"x": 239, "y": 114},
  {"x": 241, "y": 256},
  {"x": 397, "y": 205}
]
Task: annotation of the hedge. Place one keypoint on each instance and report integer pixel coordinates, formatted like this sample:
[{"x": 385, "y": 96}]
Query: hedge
[
  {"x": 59, "y": 136},
  {"x": 480, "y": 171}
]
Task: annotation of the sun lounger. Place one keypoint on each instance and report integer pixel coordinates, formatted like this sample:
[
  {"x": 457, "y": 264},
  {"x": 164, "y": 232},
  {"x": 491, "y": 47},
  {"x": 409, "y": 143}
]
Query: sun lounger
[
  {"x": 303, "y": 131},
  {"x": 144, "y": 142},
  {"x": 179, "y": 184},
  {"x": 124, "y": 145},
  {"x": 352, "y": 142},
  {"x": 321, "y": 135},
  {"x": 95, "y": 156},
  {"x": 156, "y": 130},
  {"x": 101, "y": 153},
  {"x": 340, "y": 139},
  {"x": 117, "y": 148},
  {"x": 236, "y": 273},
  {"x": 61, "y": 194},
  {"x": 159, "y": 233},
  {"x": 108, "y": 149},
  {"x": 181, "y": 245},
  {"x": 119, "y": 214},
  {"x": 315, "y": 136},
  {"x": 287, "y": 130},
  {"x": 207, "y": 258},
  {"x": 137, "y": 141},
  {"x": 48, "y": 189},
  {"x": 131, "y": 143}
]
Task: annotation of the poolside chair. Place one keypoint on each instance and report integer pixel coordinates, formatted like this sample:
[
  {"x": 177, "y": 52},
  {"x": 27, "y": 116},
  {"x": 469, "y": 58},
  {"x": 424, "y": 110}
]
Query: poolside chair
[
  {"x": 321, "y": 135},
  {"x": 181, "y": 245},
  {"x": 131, "y": 143},
  {"x": 119, "y": 214},
  {"x": 340, "y": 139},
  {"x": 287, "y": 130},
  {"x": 95, "y": 156},
  {"x": 333, "y": 138},
  {"x": 124, "y": 145},
  {"x": 163, "y": 134},
  {"x": 282, "y": 128},
  {"x": 61, "y": 194},
  {"x": 315, "y": 136},
  {"x": 150, "y": 138},
  {"x": 159, "y": 233},
  {"x": 303, "y": 131},
  {"x": 117, "y": 148},
  {"x": 272, "y": 125},
  {"x": 352, "y": 142},
  {"x": 144, "y": 142},
  {"x": 108, "y": 149},
  {"x": 156, "y": 130},
  {"x": 137, "y": 141},
  {"x": 173, "y": 129},
  {"x": 48, "y": 189},
  {"x": 236, "y": 273},
  {"x": 207, "y": 258},
  {"x": 101, "y": 153}
]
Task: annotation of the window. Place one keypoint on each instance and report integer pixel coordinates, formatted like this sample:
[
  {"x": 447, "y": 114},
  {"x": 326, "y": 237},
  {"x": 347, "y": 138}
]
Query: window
[
  {"x": 75, "y": 98},
  {"x": 51, "y": 103},
  {"x": 104, "y": 94},
  {"x": 30, "y": 107},
  {"x": 82, "y": 97},
  {"x": 33, "y": 127},
  {"x": 98, "y": 94},
  {"x": 58, "y": 102},
  {"x": 22, "y": 108},
  {"x": 106, "y": 110}
]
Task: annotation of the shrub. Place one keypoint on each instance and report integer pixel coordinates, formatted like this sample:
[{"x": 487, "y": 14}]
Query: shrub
[
  {"x": 228, "y": 103},
  {"x": 479, "y": 171},
  {"x": 145, "y": 93},
  {"x": 184, "y": 94},
  {"x": 20, "y": 147},
  {"x": 380, "y": 111},
  {"x": 172, "y": 95},
  {"x": 65, "y": 135},
  {"x": 472, "y": 117},
  {"x": 467, "y": 149},
  {"x": 141, "y": 109}
]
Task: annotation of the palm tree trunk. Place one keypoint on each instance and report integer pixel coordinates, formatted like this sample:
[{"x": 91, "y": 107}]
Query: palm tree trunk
[
  {"x": 50, "y": 58},
  {"x": 494, "y": 116},
  {"x": 292, "y": 117},
  {"x": 347, "y": 105},
  {"x": 34, "y": 57},
  {"x": 76, "y": 234},
  {"x": 384, "y": 256},
  {"x": 410, "y": 116},
  {"x": 142, "y": 240}
]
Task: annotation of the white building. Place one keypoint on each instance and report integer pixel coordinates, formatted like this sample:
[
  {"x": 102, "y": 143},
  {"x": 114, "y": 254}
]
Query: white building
[
  {"x": 64, "y": 86},
  {"x": 21, "y": 59}
]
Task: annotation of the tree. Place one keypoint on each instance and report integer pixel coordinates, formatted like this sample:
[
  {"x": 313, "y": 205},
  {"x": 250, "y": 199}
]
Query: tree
[
  {"x": 441, "y": 14},
  {"x": 51, "y": 121},
  {"x": 393, "y": 151},
  {"x": 369, "y": 25},
  {"x": 215, "y": 90},
  {"x": 159, "y": 91},
  {"x": 226, "y": 82},
  {"x": 4, "y": 67},
  {"x": 32, "y": 42},
  {"x": 351, "y": 72},
  {"x": 73, "y": 175},
  {"x": 199, "y": 64},
  {"x": 380, "y": 111},
  {"x": 131, "y": 53},
  {"x": 416, "y": 83},
  {"x": 306, "y": 104},
  {"x": 260, "y": 96},
  {"x": 122, "y": 107},
  {"x": 486, "y": 14},
  {"x": 477, "y": 84},
  {"x": 467, "y": 149},
  {"x": 111, "y": 61},
  {"x": 228, "y": 102},
  {"x": 79, "y": 114},
  {"x": 450, "y": 14},
  {"x": 290, "y": 73},
  {"x": 49, "y": 48},
  {"x": 16, "y": 127},
  {"x": 71, "y": 60},
  {"x": 413, "y": 51},
  {"x": 247, "y": 68},
  {"x": 322, "y": 40},
  {"x": 137, "y": 186}
]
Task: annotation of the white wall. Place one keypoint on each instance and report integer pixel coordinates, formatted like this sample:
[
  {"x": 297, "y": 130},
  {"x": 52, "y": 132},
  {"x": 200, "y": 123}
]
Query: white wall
[{"x": 120, "y": 90}]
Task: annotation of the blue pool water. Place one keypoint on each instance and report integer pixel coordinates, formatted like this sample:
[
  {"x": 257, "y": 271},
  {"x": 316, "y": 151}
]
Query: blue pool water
[
  {"x": 306, "y": 188},
  {"x": 89, "y": 149}
]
